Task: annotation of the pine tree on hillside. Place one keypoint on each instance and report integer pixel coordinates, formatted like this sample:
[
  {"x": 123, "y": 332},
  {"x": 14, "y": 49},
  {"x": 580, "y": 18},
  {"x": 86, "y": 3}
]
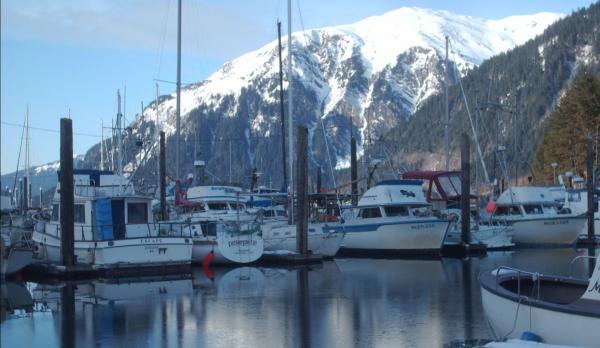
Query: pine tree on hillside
[{"x": 564, "y": 140}]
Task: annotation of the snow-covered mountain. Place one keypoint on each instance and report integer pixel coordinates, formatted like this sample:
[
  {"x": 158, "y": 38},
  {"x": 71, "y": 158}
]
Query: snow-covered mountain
[{"x": 365, "y": 77}]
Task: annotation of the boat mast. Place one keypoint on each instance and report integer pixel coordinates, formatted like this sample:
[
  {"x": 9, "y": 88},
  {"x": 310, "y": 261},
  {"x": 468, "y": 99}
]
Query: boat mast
[
  {"x": 101, "y": 145},
  {"x": 119, "y": 122},
  {"x": 156, "y": 136},
  {"x": 290, "y": 117},
  {"x": 281, "y": 103},
  {"x": 446, "y": 127},
  {"x": 26, "y": 182},
  {"x": 178, "y": 119}
]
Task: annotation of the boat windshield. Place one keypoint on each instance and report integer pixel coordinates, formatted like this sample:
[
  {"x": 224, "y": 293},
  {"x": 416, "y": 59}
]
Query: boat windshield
[
  {"x": 450, "y": 185},
  {"x": 549, "y": 209},
  {"x": 369, "y": 213}
]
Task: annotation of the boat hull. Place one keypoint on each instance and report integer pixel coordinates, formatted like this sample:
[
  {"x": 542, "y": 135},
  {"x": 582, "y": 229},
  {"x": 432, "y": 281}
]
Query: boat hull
[
  {"x": 494, "y": 237},
  {"x": 552, "y": 326},
  {"x": 561, "y": 230},
  {"x": 131, "y": 251},
  {"x": 407, "y": 236}
]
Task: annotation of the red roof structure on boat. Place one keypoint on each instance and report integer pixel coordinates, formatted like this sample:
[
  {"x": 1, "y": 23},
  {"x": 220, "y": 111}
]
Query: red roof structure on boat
[{"x": 439, "y": 185}]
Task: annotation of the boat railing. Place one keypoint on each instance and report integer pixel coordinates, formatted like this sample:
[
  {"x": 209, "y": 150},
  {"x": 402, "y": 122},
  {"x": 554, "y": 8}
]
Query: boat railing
[
  {"x": 580, "y": 257},
  {"x": 535, "y": 277}
]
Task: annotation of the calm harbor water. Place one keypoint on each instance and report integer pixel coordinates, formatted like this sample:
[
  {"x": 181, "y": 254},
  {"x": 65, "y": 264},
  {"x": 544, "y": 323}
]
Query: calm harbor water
[{"x": 343, "y": 303}]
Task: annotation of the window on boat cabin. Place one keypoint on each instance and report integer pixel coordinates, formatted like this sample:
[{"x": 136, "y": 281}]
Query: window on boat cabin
[
  {"x": 508, "y": 210},
  {"x": 234, "y": 206},
  {"x": 396, "y": 210},
  {"x": 368, "y": 213},
  {"x": 532, "y": 209},
  {"x": 137, "y": 213},
  {"x": 55, "y": 209},
  {"x": 420, "y": 210},
  {"x": 269, "y": 213},
  {"x": 79, "y": 213},
  {"x": 281, "y": 213},
  {"x": 549, "y": 208},
  {"x": 217, "y": 206},
  {"x": 450, "y": 185},
  {"x": 209, "y": 228}
]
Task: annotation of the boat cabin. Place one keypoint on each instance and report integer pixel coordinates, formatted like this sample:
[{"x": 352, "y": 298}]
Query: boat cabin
[
  {"x": 526, "y": 201},
  {"x": 393, "y": 198},
  {"x": 218, "y": 199},
  {"x": 105, "y": 208},
  {"x": 441, "y": 188}
]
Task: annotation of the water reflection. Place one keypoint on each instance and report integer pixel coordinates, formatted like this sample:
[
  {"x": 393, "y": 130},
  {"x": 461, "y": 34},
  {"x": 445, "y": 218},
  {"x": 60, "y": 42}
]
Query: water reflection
[{"x": 343, "y": 303}]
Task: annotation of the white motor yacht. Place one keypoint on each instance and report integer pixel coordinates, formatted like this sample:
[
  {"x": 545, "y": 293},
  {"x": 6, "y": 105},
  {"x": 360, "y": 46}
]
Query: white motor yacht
[
  {"x": 113, "y": 226},
  {"x": 536, "y": 217}
]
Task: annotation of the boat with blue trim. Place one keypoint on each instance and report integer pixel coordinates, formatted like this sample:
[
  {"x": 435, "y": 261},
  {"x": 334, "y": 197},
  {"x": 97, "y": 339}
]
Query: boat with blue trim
[{"x": 393, "y": 217}]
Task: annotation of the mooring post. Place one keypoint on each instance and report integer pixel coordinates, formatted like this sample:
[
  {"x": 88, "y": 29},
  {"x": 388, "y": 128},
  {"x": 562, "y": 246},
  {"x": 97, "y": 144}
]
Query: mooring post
[
  {"x": 67, "y": 194},
  {"x": 319, "y": 183},
  {"x": 465, "y": 195},
  {"x": 163, "y": 175},
  {"x": 353, "y": 171},
  {"x": 302, "y": 192},
  {"x": 590, "y": 189}
]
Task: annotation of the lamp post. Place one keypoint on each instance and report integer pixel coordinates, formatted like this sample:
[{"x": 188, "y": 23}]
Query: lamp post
[{"x": 554, "y": 165}]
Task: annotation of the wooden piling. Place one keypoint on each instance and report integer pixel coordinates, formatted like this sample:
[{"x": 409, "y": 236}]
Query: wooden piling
[
  {"x": 319, "y": 183},
  {"x": 67, "y": 194},
  {"x": 465, "y": 195},
  {"x": 163, "y": 175},
  {"x": 67, "y": 315},
  {"x": 590, "y": 190},
  {"x": 353, "y": 171},
  {"x": 302, "y": 191}
]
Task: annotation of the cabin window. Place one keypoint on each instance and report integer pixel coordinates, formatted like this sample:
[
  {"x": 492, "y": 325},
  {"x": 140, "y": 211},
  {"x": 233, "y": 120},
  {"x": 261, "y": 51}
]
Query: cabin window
[
  {"x": 369, "y": 213},
  {"x": 217, "y": 206},
  {"x": 209, "y": 229},
  {"x": 269, "y": 213},
  {"x": 137, "y": 213},
  {"x": 79, "y": 213},
  {"x": 55, "y": 209},
  {"x": 508, "y": 210},
  {"x": 532, "y": 209},
  {"x": 234, "y": 206},
  {"x": 549, "y": 209},
  {"x": 397, "y": 210},
  {"x": 281, "y": 213}
]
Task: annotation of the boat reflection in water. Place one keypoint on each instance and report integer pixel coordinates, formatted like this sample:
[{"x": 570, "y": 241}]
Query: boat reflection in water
[{"x": 343, "y": 303}]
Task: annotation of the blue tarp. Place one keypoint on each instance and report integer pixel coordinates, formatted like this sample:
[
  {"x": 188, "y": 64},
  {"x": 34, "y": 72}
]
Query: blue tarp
[{"x": 104, "y": 220}]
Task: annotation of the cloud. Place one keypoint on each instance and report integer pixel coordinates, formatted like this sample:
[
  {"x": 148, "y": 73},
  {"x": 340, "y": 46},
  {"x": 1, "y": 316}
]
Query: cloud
[{"x": 213, "y": 30}]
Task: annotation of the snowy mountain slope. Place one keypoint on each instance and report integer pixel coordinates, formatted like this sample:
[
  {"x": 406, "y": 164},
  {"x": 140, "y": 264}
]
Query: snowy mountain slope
[{"x": 364, "y": 78}]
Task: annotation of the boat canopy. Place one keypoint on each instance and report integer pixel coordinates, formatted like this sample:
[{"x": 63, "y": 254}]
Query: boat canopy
[
  {"x": 439, "y": 185},
  {"x": 526, "y": 195},
  {"x": 394, "y": 192}
]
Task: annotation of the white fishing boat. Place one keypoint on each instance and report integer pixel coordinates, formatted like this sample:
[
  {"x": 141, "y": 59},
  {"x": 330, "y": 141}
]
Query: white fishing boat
[
  {"x": 443, "y": 190},
  {"x": 560, "y": 310},
  {"x": 323, "y": 239},
  {"x": 113, "y": 227},
  {"x": 221, "y": 229},
  {"x": 393, "y": 216},
  {"x": 536, "y": 217}
]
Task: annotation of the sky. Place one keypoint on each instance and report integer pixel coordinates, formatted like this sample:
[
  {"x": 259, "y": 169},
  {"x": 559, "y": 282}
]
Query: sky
[{"x": 64, "y": 57}]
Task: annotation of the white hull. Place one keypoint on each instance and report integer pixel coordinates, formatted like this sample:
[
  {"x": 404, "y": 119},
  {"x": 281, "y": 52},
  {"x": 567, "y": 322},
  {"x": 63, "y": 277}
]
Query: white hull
[
  {"x": 494, "y": 237},
  {"x": 552, "y": 326},
  {"x": 16, "y": 260},
  {"x": 332, "y": 241},
  {"x": 131, "y": 251},
  {"x": 388, "y": 234},
  {"x": 547, "y": 230},
  {"x": 584, "y": 230},
  {"x": 282, "y": 237}
]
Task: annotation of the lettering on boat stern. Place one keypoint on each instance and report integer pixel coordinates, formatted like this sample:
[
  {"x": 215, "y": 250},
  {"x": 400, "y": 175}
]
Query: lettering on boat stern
[
  {"x": 422, "y": 226},
  {"x": 242, "y": 243},
  {"x": 595, "y": 287},
  {"x": 556, "y": 222},
  {"x": 150, "y": 240}
]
